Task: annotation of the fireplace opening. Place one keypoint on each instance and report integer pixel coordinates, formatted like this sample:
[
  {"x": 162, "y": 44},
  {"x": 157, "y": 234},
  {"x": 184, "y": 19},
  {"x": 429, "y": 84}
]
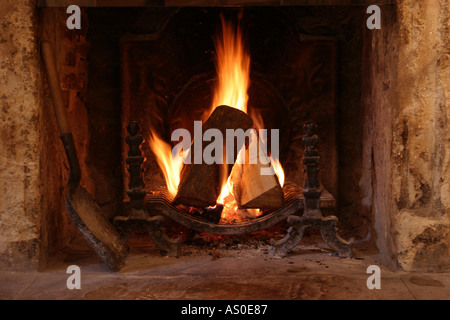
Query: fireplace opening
[
  {"x": 291, "y": 79},
  {"x": 158, "y": 67}
]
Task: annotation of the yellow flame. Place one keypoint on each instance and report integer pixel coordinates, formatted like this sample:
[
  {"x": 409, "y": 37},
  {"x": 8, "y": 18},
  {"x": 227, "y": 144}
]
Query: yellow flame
[
  {"x": 276, "y": 165},
  {"x": 278, "y": 170},
  {"x": 170, "y": 166},
  {"x": 233, "y": 68},
  {"x": 227, "y": 189}
]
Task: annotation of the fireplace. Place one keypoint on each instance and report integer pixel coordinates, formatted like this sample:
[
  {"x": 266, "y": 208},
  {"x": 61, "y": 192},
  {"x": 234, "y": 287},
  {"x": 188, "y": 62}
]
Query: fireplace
[
  {"x": 155, "y": 65},
  {"x": 293, "y": 78}
]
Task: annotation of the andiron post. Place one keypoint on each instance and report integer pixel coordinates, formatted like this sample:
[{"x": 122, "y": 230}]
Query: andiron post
[{"x": 312, "y": 215}]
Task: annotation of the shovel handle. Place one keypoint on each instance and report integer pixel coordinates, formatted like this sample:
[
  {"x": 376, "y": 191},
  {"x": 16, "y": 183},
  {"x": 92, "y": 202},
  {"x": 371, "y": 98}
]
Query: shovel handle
[
  {"x": 60, "y": 111},
  {"x": 55, "y": 89}
]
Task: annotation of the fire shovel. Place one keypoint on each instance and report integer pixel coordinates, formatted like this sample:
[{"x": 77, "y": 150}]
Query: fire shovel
[{"x": 81, "y": 207}]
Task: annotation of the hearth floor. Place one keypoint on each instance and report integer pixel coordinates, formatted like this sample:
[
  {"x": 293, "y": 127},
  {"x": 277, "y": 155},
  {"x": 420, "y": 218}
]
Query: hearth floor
[{"x": 211, "y": 273}]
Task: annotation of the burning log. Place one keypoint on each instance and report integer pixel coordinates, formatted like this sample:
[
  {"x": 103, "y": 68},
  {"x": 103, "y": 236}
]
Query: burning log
[
  {"x": 252, "y": 188},
  {"x": 201, "y": 183}
]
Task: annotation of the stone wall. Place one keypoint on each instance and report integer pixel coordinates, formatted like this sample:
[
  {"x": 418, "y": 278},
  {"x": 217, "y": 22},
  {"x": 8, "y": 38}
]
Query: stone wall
[
  {"x": 20, "y": 161},
  {"x": 407, "y": 159},
  {"x": 421, "y": 136}
]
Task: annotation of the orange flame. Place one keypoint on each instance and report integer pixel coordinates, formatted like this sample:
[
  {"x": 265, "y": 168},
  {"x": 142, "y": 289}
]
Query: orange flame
[
  {"x": 278, "y": 170},
  {"x": 233, "y": 68},
  {"x": 170, "y": 166}
]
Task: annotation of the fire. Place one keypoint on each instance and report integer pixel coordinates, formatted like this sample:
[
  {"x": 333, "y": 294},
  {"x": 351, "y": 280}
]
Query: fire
[
  {"x": 275, "y": 162},
  {"x": 233, "y": 68},
  {"x": 170, "y": 165},
  {"x": 233, "y": 72},
  {"x": 278, "y": 169},
  {"x": 226, "y": 198}
]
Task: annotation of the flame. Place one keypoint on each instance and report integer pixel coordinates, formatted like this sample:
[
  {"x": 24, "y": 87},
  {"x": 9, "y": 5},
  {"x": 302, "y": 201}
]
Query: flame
[
  {"x": 278, "y": 170},
  {"x": 233, "y": 68},
  {"x": 231, "y": 211},
  {"x": 227, "y": 189},
  {"x": 275, "y": 162},
  {"x": 170, "y": 165},
  {"x": 226, "y": 198}
]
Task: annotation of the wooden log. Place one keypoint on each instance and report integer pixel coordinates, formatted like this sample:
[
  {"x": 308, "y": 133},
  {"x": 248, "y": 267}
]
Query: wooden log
[
  {"x": 252, "y": 189},
  {"x": 201, "y": 184}
]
